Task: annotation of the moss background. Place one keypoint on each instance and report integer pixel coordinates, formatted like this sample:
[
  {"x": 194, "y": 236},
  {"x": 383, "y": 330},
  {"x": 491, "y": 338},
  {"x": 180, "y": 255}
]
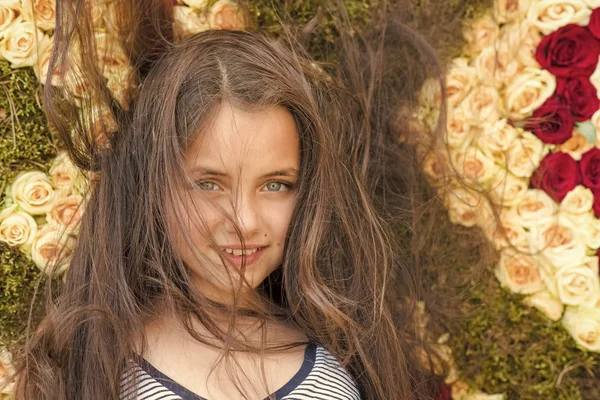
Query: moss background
[{"x": 498, "y": 344}]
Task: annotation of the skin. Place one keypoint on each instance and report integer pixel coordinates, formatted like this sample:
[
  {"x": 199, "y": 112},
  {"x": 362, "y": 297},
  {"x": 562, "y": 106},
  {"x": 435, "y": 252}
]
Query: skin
[{"x": 227, "y": 164}]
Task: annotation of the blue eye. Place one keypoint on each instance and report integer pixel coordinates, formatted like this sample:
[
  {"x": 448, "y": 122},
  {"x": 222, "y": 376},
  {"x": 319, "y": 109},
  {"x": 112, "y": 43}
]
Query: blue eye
[
  {"x": 276, "y": 186},
  {"x": 207, "y": 185}
]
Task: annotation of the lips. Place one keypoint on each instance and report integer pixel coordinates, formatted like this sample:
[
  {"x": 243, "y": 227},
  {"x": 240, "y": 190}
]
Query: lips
[{"x": 250, "y": 259}]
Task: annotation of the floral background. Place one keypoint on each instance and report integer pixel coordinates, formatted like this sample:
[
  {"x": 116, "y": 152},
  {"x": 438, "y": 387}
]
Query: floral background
[{"x": 519, "y": 165}]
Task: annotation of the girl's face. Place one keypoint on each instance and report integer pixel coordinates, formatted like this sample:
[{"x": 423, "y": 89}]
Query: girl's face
[{"x": 247, "y": 160}]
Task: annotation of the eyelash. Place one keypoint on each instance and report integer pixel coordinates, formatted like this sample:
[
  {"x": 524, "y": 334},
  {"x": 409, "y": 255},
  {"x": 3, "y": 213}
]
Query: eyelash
[{"x": 288, "y": 185}]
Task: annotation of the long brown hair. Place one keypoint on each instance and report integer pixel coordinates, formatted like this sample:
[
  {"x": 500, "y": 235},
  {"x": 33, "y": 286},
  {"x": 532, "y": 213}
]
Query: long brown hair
[{"x": 347, "y": 280}]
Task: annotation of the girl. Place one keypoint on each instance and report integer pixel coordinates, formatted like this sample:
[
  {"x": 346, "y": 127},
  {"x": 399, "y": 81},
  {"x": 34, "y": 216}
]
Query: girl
[{"x": 241, "y": 239}]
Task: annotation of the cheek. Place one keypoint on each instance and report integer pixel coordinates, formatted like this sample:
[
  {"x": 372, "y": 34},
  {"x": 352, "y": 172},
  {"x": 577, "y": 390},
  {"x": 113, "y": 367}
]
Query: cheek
[{"x": 279, "y": 217}]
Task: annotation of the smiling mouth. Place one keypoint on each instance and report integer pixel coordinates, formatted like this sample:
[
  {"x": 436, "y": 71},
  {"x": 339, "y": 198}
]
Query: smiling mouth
[{"x": 236, "y": 257}]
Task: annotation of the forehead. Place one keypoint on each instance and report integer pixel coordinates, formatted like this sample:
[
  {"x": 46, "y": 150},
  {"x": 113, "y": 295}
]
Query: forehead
[{"x": 241, "y": 138}]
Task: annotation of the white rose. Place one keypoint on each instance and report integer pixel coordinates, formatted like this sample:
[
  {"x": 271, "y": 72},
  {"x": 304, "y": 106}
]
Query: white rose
[
  {"x": 473, "y": 164},
  {"x": 592, "y": 3},
  {"x": 507, "y": 189},
  {"x": 63, "y": 172},
  {"x": 595, "y": 80},
  {"x": 584, "y": 325},
  {"x": 558, "y": 240},
  {"x": 497, "y": 64},
  {"x": 21, "y": 43},
  {"x": 42, "y": 11},
  {"x": 533, "y": 206},
  {"x": 227, "y": 14},
  {"x": 506, "y": 231},
  {"x": 589, "y": 226},
  {"x": 52, "y": 249},
  {"x": 67, "y": 210},
  {"x": 188, "y": 22},
  {"x": 578, "y": 201},
  {"x": 575, "y": 146},
  {"x": 463, "y": 205},
  {"x": 17, "y": 228},
  {"x": 40, "y": 67},
  {"x": 483, "y": 33},
  {"x": 576, "y": 285},
  {"x": 198, "y": 4},
  {"x": 524, "y": 155},
  {"x": 519, "y": 272},
  {"x": 527, "y": 91},
  {"x": 460, "y": 79},
  {"x": 522, "y": 40},
  {"x": 33, "y": 192},
  {"x": 509, "y": 10},
  {"x": 546, "y": 303},
  {"x": 7, "y": 370},
  {"x": 458, "y": 130},
  {"x": 549, "y": 15},
  {"x": 10, "y": 13},
  {"x": 497, "y": 138},
  {"x": 482, "y": 104}
]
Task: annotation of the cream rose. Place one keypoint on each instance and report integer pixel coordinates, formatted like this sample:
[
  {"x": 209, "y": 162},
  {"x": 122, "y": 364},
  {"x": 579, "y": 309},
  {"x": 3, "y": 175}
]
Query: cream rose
[
  {"x": 198, "y": 4},
  {"x": 458, "y": 130},
  {"x": 51, "y": 250},
  {"x": 578, "y": 201},
  {"x": 21, "y": 43},
  {"x": 483, "y": 33},
  {"x": 519, "y": 272},
  {"x": 6, "y": 371},
  {"x": 497, "y": 138},
  {"x": 227, "y": 14},
  {"x": 40, "y": 67},
  {"x": 558, "y": 240},
  {"x": 522, "y": 40},
  {"x": 463, "y": 205},
  {"x": 63, "y": 172},
  {"x": 17, "y": 228},
  {"x": 42, "y": 11},
  {"x": 533, "y": 206},
  {"x": 33, "y": 192},
  {"x": 578, "y": 285},
  {"x": 546, "y": 303},
  {"x": 592, "y": 3},
  {"x": 473, "y": 164},
  {"x": 10, "y": 13},
  {"x": 435, "y": 165},
  {"x": 506, "y": 231},
  {"x": 524, "y": 155},
  {"x": 460, "y": 79},
  {"x": 575, "y": 146},
  {"x": 527, "y": 91},
  {"x": 188, "y": 22},
  {"x": 589, "y": 226},
  {"x": 481, "y": 104},
  {"x": 67, "y": 210},
  {"x": 549, "y": 15},
  {"x": 584, "y": 325},
  {"x": 507, "y": 189},
  {"x": 509, "y": 10},
  {"x": 497, "y": 64}
]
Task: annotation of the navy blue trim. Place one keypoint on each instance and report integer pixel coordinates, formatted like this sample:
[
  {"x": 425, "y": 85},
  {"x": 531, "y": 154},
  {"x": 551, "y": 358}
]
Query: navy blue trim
[{"x": 310, "y": 356}]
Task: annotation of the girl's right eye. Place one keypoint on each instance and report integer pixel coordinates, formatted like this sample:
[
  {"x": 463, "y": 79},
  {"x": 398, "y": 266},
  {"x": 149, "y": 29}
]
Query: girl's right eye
[{"x": 207, "y": 185}]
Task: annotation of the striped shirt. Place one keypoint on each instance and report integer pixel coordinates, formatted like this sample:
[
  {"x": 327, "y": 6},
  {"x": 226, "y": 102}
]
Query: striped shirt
[{"x": 321, "y": 377}]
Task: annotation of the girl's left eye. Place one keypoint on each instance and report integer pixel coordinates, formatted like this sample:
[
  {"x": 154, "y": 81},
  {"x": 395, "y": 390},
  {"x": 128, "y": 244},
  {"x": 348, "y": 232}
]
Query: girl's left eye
[
  {"x": 207, "y": 185},
  {"x": 277, "y": 186}
]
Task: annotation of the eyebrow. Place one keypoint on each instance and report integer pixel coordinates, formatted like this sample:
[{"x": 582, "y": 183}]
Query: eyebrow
[{"x": 213, "y": 172}]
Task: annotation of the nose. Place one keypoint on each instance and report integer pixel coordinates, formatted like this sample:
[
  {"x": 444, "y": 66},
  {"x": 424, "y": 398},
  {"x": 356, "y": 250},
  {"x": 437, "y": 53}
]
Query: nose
[{"x": 246, "y": 214}]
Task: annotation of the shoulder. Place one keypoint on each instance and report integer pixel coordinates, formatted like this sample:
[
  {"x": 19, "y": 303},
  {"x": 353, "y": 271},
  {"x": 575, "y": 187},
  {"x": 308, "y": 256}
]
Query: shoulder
[{"x": 327, "y": 379}]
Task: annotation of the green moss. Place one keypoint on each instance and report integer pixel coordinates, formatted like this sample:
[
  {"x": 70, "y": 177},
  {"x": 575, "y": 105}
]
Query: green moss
[
  {"x": 18, "y": 278},
  {"x": 25, "y": 140}
]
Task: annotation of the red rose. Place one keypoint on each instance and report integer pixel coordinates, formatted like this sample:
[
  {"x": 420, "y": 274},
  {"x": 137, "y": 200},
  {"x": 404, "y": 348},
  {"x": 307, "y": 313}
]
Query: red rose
[
  {"x": 589, "y": 166},
  {"x": 594, "y": 25},
  {"x": 580, "y": 95},
  {"x": 570, "y": 51},
  {"x": 596, "y": 207},
  {"x": 552, "y": 122},
  {"x": 557, "y": 175}
]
